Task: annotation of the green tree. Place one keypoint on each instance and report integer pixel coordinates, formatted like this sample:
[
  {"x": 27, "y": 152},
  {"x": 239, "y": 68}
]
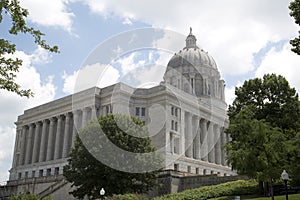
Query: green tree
[
  {"x": 295, "y": 13},
  {"x": 264, "y": 127},
  {"x": 89, "y": 175},
  {"x": 8, "y": 66}
]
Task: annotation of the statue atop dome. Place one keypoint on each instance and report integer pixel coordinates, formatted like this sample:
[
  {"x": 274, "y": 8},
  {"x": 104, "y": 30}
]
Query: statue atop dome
[{"x": 191, "y": 41}]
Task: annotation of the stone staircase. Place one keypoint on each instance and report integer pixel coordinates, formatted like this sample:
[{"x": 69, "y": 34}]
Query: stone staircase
[{"x": 52, "y": 188}]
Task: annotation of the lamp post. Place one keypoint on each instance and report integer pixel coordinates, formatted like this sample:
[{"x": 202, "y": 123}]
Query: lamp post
[
  {"x": 285, "y": 178},
  {"x": 102, "y": 192}
]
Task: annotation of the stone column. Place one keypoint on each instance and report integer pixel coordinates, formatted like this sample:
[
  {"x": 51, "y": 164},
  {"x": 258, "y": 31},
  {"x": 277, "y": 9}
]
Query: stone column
[
  {"x": 94, "y": 112},
  {"x": 182, "y": 133},
  {"x": 37, "y": 142},
  {"x": 85, "y": 116},
  {"x": 188, "y": 135},
  {"x": 16, "y": 154},
  {"x": 197, "y": 141},
  {"x": 51, "y": 139},
  {"x": 211, "y": 143},
  {"x": 223, "y": 158},
  {"x": 44, "y": 138},
  {"x": 228, "y": 139},
  {"x": 218, "y": 150},
  {"x": 76, "y": 126},
  {"x": 58, "y": 138},
  {"x": 28, "y": 154},
  {"x": 66, "y": 145},
  {"x": 204, "y": 140},
  {"x": 23, "y": 145}
]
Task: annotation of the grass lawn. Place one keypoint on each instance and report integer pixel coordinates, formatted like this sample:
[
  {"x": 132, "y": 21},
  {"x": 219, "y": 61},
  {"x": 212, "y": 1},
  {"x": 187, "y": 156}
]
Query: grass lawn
[{"x": 291, "y": 197}]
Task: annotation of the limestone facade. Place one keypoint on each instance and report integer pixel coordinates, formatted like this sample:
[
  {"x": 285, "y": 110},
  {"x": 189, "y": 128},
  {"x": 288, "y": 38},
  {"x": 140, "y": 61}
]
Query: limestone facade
[{"x": 185, "y": 114}]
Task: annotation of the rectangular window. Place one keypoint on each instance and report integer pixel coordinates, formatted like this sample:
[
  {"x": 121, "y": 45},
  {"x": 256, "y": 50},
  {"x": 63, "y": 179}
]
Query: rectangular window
[
  {"x": 49, "y": 172},
  {"x": 176, "y": 126},
  {"x": 204, "y": 171},
  {"x": 137, "y": 111},
  {"x": 33, "y": 174},
  {"x": 172, "y": 125},
  {"x": 172, "y": 110},
  {"x": 189, "y": 169},
  {"x": 108, "y": 109},
  {"x": 176, "y": 145},
  {"x": 143, "y": 111},
  {"x": 26, "y": 174},
  {"x": 197, "y": 170},
  {"x": 176, "y": 167},
  {"x": 56, "y": 171},
  {"x": 176, "y": 112},
  {"x": 41, "y": 173},
  {"x": 19, "y": 175}
]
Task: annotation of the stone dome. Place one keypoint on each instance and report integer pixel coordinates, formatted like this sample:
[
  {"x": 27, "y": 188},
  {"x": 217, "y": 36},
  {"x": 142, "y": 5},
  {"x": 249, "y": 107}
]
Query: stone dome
[
  {"x": 194, "y": 71},
  {"x": 192, "y": 55}
]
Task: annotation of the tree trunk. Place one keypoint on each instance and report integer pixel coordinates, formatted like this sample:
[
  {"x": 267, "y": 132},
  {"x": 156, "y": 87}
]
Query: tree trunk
[{"x": 271, "y": 188}]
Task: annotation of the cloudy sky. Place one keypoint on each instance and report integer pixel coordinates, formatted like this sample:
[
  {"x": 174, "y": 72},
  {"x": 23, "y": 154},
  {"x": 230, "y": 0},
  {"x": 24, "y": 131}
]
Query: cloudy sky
[{"x": 246, "y": 38}]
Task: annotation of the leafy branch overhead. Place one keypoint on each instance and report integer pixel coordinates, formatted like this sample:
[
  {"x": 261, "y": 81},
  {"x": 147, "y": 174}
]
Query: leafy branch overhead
[
  {"x": 10, "y": 67},
  {"x": 295, "y": 13}
]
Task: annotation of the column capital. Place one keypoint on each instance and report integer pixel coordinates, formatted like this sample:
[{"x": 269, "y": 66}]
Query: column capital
[
  {"x": 87, "y": 108},
  {"x": 25, "y": 127},
  {"x": 52, "y": 119},
  {"x": 77, "y": 111},
  {"x": 68, "y": 114},
  {"x": 32, "y": 124},
  {"x": 59, "y": 117},
  {"x": 38, "y": 123},
  {"x": 45, "y": 121},
  {"x": 202, "y": 119}
]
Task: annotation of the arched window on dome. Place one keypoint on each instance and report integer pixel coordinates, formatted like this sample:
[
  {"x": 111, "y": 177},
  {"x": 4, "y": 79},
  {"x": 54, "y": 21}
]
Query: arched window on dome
[{"x": 198, "y": 85}]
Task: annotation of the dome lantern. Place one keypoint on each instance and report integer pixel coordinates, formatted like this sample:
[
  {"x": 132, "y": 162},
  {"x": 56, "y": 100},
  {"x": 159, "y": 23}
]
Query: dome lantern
[{"x": 191, "y": 40}]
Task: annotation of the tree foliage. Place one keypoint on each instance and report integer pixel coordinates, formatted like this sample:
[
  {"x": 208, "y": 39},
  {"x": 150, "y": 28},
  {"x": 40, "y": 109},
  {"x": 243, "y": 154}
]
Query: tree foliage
[
  {"x": 89, "y": 175},
  {"x": 8, "y": 66},
  {"x": 264, "y": 127},
  {"x": 295, "y": 13}
]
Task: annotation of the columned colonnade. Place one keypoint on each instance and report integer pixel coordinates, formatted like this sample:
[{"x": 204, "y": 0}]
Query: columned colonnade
[
  {"x": 203, "y": 139},
  {"x": 51, "y": 138}
]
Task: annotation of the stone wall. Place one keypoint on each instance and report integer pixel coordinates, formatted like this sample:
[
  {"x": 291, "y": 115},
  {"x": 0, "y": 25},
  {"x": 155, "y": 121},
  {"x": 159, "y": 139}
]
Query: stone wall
[{"x": 174, "y": 181}]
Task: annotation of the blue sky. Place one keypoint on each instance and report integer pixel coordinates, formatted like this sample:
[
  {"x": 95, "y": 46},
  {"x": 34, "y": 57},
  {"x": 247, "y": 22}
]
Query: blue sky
[{"x": 246, "y": 38}]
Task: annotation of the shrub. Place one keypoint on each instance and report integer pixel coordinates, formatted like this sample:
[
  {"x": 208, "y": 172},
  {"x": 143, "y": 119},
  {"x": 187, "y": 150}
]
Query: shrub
[
  {"x": 240, "y": 187},
  {"x": 127, "y": 197}
]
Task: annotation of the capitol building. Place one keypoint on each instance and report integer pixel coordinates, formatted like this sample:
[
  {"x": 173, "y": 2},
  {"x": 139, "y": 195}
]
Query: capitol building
[{"x": 188, "y": 105}]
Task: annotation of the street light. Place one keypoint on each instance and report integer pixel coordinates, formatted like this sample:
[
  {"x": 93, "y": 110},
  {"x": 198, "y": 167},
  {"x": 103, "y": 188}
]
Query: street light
[
  {"x": 102, "y": 192},
  {"x": 285, "y": 178}
]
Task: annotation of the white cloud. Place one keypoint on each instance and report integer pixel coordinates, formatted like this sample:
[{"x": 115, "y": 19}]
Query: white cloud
[
  {"x": 90, "y": 76},
  {"x": 283, "y": 62},
  {"x": 229, "y": 95},
  {"x": 69, "y": 82},
  {"x": 12, "y": 105},
  {"x": 232, "y": 31},
  {"x": 40, "y": 56},
  {"x": 128, "y": 63},
  {"x": 49, "y": 13},
  {"x": 6, "y": 150}
]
